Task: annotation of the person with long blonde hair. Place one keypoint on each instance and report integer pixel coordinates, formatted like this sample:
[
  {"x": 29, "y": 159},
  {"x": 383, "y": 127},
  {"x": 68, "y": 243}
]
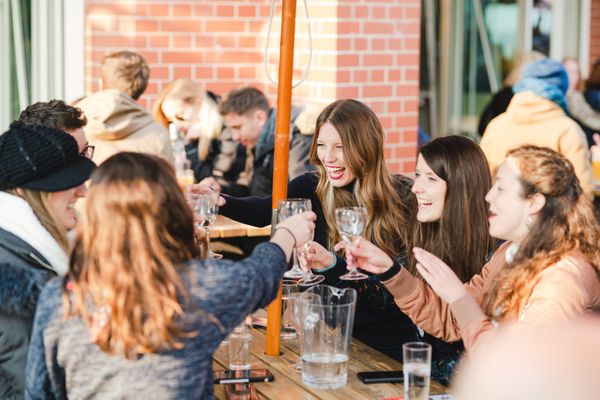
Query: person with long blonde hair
[
  {"x": 347, "y": 151},
  {"x": 42, "y": 175},
  {"x": 547, "y": 271}
]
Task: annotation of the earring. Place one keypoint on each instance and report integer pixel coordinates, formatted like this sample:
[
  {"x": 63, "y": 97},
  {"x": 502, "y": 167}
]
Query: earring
[{"x": 530, "y": 221}]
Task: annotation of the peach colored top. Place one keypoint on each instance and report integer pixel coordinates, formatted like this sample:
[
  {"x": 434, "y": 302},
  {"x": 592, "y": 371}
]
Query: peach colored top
[{"x": 566, "y": 289}]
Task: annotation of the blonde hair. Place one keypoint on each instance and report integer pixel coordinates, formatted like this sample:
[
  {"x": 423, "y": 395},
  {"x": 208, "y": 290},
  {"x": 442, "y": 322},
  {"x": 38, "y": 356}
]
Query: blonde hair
[
  {"x": 125, "y": 267},
  {"x": 565, "y": 223},
  {"x": 376, "y": 188},
  {"x": 38, "y": 201},
  {"x": 189, "y": 93}
]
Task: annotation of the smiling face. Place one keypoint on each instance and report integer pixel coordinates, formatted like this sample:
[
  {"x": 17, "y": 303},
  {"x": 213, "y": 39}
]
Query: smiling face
[
  {"x": 509, "y": 210},
  {"x": 430, "y": 191},
  {"x": 62, "y": 205},
  {"x": 331, "y": 154}
]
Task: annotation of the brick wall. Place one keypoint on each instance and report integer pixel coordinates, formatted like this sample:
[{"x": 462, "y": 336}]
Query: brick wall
[
  {"x": 594, "y": 32},
  {"x": 365, "y": 49}
]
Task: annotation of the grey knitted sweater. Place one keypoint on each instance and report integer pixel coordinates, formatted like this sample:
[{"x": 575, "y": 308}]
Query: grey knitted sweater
[{"x": 63, "y": 363}]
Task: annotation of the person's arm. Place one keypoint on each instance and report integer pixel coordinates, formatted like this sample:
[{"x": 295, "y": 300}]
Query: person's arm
[
  {"x": 239, "y": 288},
  {"x": 45, "y": 381}
]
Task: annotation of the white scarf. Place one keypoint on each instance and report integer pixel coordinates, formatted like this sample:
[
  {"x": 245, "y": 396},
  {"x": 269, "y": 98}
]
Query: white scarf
[{"x": 17, "y": 217}]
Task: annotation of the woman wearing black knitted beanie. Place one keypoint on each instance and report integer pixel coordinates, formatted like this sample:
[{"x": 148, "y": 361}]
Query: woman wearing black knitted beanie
[{"x": 42, "y": 174}]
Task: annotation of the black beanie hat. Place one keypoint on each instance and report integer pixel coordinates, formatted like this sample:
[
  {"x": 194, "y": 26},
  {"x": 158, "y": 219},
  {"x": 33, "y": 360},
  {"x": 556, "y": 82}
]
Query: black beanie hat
[{"x": 41, "y": 158}]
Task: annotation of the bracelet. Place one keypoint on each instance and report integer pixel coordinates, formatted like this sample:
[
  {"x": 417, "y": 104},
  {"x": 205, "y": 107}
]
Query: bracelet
[
  {"x": 391, "y": 272},
  {"x": 288, "y": 231},
  {"x": 333, "y": 264}
]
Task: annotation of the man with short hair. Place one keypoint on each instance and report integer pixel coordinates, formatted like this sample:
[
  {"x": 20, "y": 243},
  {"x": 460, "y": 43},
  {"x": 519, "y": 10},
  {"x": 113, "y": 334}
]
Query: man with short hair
[
  {"x": 59, "y": 115},
  {"x": 116, "y": 122},
  {"x": 247, "y": 114}
]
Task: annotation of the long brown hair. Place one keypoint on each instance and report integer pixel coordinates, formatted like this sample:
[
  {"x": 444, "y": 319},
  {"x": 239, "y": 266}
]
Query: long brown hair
[
  {"x": 566, "y": 222},
  {"x": 461, "y": 236},
  {"x": 136, "y": 233},
  {"x": 376, "y": 188}
]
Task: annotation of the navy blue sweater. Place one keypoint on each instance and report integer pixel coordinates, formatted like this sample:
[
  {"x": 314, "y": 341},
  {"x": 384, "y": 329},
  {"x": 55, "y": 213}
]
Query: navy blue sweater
[{"x": 63, "y": 363}]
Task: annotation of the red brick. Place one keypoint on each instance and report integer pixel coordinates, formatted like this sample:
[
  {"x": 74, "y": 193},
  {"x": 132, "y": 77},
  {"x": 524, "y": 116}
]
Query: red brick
[
  {"x": 377, "y": 91},
  {"x": 159, "y": 10},
  {"x": 182, "y": 72},
  {"x": 379, "y": 28},
  {"x": 203, "y": 9},
  {"x": 159, "y": 41},
  {"x": 246, "y": 72},
  {"x": 247, "y": 42},
  {"x": 181, "y": 10},
  {"x": 349, "y": 92},
  {"x": 343, "y": 44},
  {"x": 361, "y": 44},
  {"x": 182, "y": 41},
  {"x": 361, "y": 12},
  {"x": 378, "y": 12},
  {"x": 204, "y": 73},
  {"x": 377, "y": 75},
  {"x": 160, "y": 73},
  {"x": 225, "y": 11},
  {"x": 146, "y": 25},
  {"x": 378, "y": 59},
  {"x": 225, "y": 73},
  {"x": 247, "y": 11},
  {"x": 182, "y": 57},
  {"x": 360, "y": 76},
  {"x": 348, "y": 60},
  {"x": 345, "y": 28},
  {"x": 180, "y": 25},
  {"x": 378, "y": 44},
  {"x": 204, "y": 41},
  {"x": 224, "y": 26},
  {"x": 226, "y": 41},
  {"x": 344, "y": 11}
]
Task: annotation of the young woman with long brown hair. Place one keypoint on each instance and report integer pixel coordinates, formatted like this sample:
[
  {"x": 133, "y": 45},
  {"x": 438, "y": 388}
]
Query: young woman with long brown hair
[
  {"x": 451, "y": 180},
  {"x": 347, "y": 150},
  {"x": 139, "y": 315},
  {"x": 548, "y": 269}
]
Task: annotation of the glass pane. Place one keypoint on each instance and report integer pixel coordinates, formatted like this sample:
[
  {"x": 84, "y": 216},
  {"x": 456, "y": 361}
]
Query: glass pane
[{"x": 24, "y": 36}]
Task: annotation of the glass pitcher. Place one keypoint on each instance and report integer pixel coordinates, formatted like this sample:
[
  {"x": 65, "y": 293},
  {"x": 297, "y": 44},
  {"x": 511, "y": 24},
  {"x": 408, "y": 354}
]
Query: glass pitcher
[{"x": 326, "y": 333}]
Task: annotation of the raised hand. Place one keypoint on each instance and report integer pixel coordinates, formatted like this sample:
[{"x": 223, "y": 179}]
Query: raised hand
[
  {"x": 439, "y": 276},
  {"x": 367, "y": 256},
  {"x": 202, "y": 188},
  {"x": 212, "y": 183},
  {"x": 301, "y": 226},
  {"x": 318, "y": 257}
]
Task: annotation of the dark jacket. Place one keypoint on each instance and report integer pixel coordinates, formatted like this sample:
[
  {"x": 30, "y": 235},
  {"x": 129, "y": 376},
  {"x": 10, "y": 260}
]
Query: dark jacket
[
  {"x": 23, "y": 273},
  {"x": 378, "y": 321},
  {"x": 262, "y": 158}
]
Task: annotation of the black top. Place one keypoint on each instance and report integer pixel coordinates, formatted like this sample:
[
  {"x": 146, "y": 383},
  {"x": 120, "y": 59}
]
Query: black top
[{"x": 378, "y": 321}]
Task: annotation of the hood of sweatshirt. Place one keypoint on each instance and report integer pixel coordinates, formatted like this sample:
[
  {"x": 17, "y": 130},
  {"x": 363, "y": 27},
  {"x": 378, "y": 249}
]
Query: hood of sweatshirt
[
  {"x": 113, "y": 115},
  {"x": 527, "y": 107}
]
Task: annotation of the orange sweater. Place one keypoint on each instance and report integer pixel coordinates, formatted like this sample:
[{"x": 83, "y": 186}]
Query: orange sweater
[{"x": 565, "y": 289}]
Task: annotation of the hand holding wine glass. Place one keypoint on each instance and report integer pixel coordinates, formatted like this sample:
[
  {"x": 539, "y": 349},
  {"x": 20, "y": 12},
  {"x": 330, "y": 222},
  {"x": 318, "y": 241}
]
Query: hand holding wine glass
[
  {"x": 351, "y": 223},
  {"x": 205, "y": 207}
]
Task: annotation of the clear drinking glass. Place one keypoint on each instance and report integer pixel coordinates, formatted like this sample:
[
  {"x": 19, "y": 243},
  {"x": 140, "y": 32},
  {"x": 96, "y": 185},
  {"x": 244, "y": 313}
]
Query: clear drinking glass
[
  {"x": 239, "y": 347},
  {"x": 351, "y": 222},
  {"x": 298, "y": 303},
  {"x": 205, "y": 208},
  {"x": 289, "y": 288},
  {"x": 417, "y": 370}
]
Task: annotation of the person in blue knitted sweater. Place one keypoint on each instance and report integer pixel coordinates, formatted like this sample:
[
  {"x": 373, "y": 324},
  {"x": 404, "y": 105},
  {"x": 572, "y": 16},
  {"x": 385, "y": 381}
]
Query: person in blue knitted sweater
[
  {"x": 347, "y": 151},
  {"x": 139, "y": 315}
]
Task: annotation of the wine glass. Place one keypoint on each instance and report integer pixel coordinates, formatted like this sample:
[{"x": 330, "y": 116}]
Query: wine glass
[
  {"x": 351, "y": 222},
  {"x": 298, "y": 303},
  {"x": 287, "y": 208},
  {"x": 205, "y": 207},
  {"x": 309, "y": 278}
]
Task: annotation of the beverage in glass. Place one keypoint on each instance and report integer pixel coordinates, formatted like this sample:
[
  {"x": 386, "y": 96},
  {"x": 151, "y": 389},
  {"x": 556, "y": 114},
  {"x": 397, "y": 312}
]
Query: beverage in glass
[
  {"x": 351, "y": 223},
  {"x": 417, "y": 370},
  {"x": 205, "y": 207},
  {"x": 328, "y": 317},
  {"x": 288, "y": 330},
  {"x": 239, "y": 347}
]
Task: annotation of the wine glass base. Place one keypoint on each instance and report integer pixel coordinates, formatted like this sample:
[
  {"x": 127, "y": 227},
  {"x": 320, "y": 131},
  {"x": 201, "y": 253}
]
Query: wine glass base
[
  {"x": 311, "y": 280},
  {"x": 214, "y": 256},
  {"x": 294, "y": 274},
  {"x": 353, "y": 276}
]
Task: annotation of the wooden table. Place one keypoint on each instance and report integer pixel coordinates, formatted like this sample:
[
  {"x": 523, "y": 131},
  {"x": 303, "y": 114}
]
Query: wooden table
[
  {"x": 226, "y": 228},
  {"x": 288, "y": 383}
]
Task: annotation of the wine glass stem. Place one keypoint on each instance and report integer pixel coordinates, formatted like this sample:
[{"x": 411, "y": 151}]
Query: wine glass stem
[
  {"x": 207, "y": 238},
  {"x": 295, "y": 264}
]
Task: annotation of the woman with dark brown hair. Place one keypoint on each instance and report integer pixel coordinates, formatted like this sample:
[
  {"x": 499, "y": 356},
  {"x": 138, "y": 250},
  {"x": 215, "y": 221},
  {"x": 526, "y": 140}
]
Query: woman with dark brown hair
[
  {"x": 139, "y": 315},
  {"x": 547, "y": 271},
  {"x": 347, "y": 151},
  {"x": 451, "y": 180}
]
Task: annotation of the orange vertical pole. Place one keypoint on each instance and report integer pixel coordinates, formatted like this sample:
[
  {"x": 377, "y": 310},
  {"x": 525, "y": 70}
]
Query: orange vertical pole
[{"x": 282, "y": 148}]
